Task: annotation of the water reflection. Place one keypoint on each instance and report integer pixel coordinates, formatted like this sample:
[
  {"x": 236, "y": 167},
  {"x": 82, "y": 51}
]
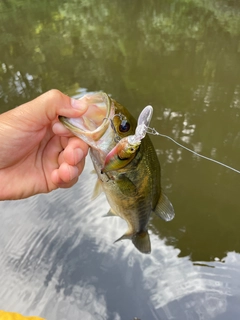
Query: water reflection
[
  {"x": 58, "y": 260},
  {"x": 57, "y": 253},
  {"x": 178, "y": 48}
]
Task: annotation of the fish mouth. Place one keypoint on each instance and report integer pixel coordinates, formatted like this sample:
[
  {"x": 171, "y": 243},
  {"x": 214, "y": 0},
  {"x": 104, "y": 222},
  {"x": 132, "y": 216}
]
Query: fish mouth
[{"x": 92, "y": 125}]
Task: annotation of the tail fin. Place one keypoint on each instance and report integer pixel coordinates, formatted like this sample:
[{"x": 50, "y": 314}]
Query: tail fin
[{"x": 141, "y": 241}]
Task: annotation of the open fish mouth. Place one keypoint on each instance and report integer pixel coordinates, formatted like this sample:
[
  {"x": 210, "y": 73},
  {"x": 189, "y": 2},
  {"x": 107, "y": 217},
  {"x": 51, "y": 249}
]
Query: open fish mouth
[{"x": 92, "y": 125}]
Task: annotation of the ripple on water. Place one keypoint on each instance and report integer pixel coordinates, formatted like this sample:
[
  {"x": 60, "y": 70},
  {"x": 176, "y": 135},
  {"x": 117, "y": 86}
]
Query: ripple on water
[{"x": 59, "y": 260}]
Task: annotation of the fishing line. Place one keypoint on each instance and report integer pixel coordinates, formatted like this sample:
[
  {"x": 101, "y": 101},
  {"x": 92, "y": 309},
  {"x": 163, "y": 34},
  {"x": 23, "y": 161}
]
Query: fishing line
[
  {"x": 146, "y": 129},
  {"x": 154, "y": 132}
]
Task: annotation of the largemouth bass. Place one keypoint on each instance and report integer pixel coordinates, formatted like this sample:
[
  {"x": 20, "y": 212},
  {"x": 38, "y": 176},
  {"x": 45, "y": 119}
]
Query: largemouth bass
[{"x": 126, "y": 164}]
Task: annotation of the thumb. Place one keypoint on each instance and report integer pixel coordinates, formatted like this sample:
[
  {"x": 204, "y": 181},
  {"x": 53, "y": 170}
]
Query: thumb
[{"x": 47, "y": 107}]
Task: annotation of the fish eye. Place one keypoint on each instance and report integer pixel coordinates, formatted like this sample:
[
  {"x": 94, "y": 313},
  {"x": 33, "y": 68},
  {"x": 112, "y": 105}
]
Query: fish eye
[{"x": 124, "y": 126}]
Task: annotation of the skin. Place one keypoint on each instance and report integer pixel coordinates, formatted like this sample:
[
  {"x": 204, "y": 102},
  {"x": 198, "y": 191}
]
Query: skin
[{"x": 38, "y": 154}]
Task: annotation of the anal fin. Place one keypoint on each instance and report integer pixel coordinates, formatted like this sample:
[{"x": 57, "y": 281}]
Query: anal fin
[{"x": 110, "y": 213}]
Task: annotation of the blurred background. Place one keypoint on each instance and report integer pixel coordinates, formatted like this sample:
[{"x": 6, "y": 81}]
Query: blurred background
[{"x": 57, "y": 256}]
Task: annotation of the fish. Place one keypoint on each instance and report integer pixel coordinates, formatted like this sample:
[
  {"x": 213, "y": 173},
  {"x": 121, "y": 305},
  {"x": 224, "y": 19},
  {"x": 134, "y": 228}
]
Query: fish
[{"x": 126, "y": 164}]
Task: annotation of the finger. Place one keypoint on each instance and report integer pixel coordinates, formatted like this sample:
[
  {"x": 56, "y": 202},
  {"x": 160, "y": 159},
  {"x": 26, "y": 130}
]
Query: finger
[
  {"x": 67, "y": 172},
  {"x": 75, "y": 151},
  {"x": 49, "y": 105},
  {"x": 76, "y": 158},
  {"x": 64, "y": 142},
  {"x": 60, "y": 158},
  {"x": 52, "y": 151},
  {"x": 66, "y": 176},
  {"x": 59, "y": 183},
  {"x": 80, "y": 166},
  {"x": 59, "y": 129}
]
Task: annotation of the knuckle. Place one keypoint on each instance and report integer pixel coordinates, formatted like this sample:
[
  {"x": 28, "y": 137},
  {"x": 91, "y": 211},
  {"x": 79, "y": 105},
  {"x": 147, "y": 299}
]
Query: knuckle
[{"x": 54, "y": 94}]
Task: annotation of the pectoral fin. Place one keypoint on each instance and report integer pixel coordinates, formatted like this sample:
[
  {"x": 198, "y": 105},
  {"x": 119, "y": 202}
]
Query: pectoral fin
[{"x": 164, "y": 209}]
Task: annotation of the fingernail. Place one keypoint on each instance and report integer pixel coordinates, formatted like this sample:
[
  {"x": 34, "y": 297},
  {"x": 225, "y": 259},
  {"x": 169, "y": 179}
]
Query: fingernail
[
  {"x": 78, "y": 104},
  {"x": 78, "y": 155},
  {"x": 73, "y": 172}
]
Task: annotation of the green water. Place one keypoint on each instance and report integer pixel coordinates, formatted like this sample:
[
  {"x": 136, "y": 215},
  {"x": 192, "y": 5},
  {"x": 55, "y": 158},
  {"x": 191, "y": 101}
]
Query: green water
[{"x": 183, "y": 58}]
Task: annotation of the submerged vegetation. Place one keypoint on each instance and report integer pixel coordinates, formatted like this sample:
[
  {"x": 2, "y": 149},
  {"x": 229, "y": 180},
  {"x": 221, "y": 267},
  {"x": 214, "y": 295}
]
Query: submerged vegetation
[{"x": 67, "y": 45}]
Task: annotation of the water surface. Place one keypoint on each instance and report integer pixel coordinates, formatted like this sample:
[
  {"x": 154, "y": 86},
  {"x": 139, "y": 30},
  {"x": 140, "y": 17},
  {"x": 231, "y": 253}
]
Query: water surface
[{"x": 58, "y": 257}]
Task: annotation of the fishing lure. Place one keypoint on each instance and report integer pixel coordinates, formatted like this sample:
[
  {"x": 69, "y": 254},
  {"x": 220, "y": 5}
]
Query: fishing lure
[{"x": 126, "y": 148}]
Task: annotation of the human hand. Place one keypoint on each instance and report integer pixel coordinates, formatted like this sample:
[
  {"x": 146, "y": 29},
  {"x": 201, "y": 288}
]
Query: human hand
[{"x": 38, "y": 154}]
